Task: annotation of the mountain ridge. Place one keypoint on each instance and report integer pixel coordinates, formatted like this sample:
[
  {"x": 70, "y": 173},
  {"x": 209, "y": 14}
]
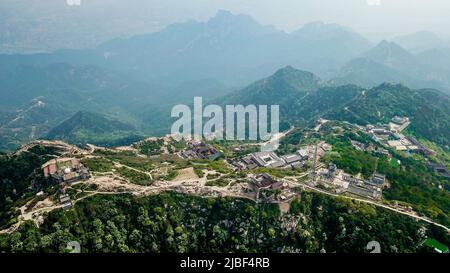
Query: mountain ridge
[
  {"x": 89, "y": 127},
  {"x": 300, "y": 105},
  {"x": 389, "y": 62}
]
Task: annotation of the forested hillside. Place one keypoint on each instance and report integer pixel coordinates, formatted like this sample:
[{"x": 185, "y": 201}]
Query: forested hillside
[{"x": 178, "y": 223}]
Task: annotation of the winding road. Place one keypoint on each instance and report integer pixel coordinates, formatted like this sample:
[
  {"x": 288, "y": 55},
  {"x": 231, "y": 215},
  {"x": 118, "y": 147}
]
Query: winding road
[{"x": 410, "y": 214}]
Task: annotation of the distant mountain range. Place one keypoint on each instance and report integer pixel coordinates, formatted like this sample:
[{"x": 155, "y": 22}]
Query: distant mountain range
[
  {"x": 388, "y": 62},
  {"x": 304, "y": 98},
  {"x": 37, "y": 98},
  {"x": 233, "y": 49},
  {"x": 137, "y": 81},
  {"x": 421, "y": 41}
]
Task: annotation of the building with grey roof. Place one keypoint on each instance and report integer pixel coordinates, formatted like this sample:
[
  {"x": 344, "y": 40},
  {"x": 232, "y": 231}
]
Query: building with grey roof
[
  {"x": 304, "y": 154},
  {"x": 289, "y": 159},
  {"x": 378, "y": 179}
]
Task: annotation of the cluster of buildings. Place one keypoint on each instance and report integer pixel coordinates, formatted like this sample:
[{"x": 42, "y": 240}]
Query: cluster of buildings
[
  {"x": 200, "y": 150},
  {"x": 391, "y": 136},
  {"x": 272, "y": 160},
  {"x": 369, "y": 188},
  {"x": 343, "y": 182},
  {"x": 398, "y": 124},
  {"x": 402, "y": 144},
  {"x": 65, "y": 170},
  {"x": 264, "y": 185},
  {"x": 65, "y": 201},
  {"x": 265, "y": 181}
]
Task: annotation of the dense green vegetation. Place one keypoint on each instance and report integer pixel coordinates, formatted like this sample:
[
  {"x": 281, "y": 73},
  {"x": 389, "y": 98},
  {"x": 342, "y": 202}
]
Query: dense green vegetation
[
  {"x": 411, "y": 181},
  {"x": 172, "y": 222},
  {"x": 171, "y": 175},
  {"x": 211, "y": 176},
  {"x": 176, "y": 145},
  {"x": 235, "y": 148},
  {"x": 50, "y": 97},
  {"x": 150, "y": 147},
  {"x": 415, "y": 183},
  {"x": 429, "y": 119},
  {"x": 193, "y": 224},
  {"x": 98, "y": 164},
  {"x": 277, "y": 172},
  {"x": 198, "y": 169},
  {"x": 20, "y": 179},
  {"x": 303, "y": 99},
  {"x": 352, "y": 161},
  {"x": 221, "y": 182},
  {"x": 127, "y": 158},
  {"x": 87, "y": 127},
  {"x": 218, "y": 166},
  {"x": 134, "y": 177}
]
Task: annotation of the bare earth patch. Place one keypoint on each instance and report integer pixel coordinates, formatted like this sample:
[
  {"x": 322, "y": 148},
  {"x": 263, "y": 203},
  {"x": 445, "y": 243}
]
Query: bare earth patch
[
  {"x": 284, "y": 207},
  {"x": 186, "y": 174}
]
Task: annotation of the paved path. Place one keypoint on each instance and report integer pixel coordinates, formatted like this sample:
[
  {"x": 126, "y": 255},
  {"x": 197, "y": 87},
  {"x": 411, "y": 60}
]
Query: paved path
[
  {"x": 410, "y": 214},
  {"x": 224, "y": 191}
]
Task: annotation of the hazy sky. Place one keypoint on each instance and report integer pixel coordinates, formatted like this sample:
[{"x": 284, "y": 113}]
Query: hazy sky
[
  {"x": 375, "y": 19},
  {"x": 370, "y": 17}
]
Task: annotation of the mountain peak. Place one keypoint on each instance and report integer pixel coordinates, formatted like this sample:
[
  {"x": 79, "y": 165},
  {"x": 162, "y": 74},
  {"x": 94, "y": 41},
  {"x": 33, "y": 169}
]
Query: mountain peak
[
  {"x": 298, "y": 79},
  {"x": 285, "y": 84},
  {"x": 420, "y": 41},
  {"x": 89, "y": 120},
  {"x": 221, "y": 13},
  {"x": 285, "y": 70},
  {"x": 388, "y": 50},
  {"x": 290, "y": 73},
  {"x": 383, "y": 43},
  {"x": 85, "y": 126},
  {"x": 225, "y": 20},
  {"x": 225, "y": 16},
  {"x": 326, "y": 32},
  {"x": 315, "y": 24},
  {"x": 390, "y": 85},
  {"x": 389, "y": 44}
]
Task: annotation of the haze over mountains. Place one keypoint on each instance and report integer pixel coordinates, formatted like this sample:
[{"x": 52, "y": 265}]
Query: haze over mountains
[
  {"x": 421, "y": 41},
  {"x": 303, "y": 98},
  {"x": 236, "y": 50},
  {"x": 359, "y": 151},
  {"x": 389, "y": 62},
  {"x": 137, "y": 80}
]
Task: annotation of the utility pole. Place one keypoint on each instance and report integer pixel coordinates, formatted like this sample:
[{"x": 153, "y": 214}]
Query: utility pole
[{"x": 313, "y": 171}]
